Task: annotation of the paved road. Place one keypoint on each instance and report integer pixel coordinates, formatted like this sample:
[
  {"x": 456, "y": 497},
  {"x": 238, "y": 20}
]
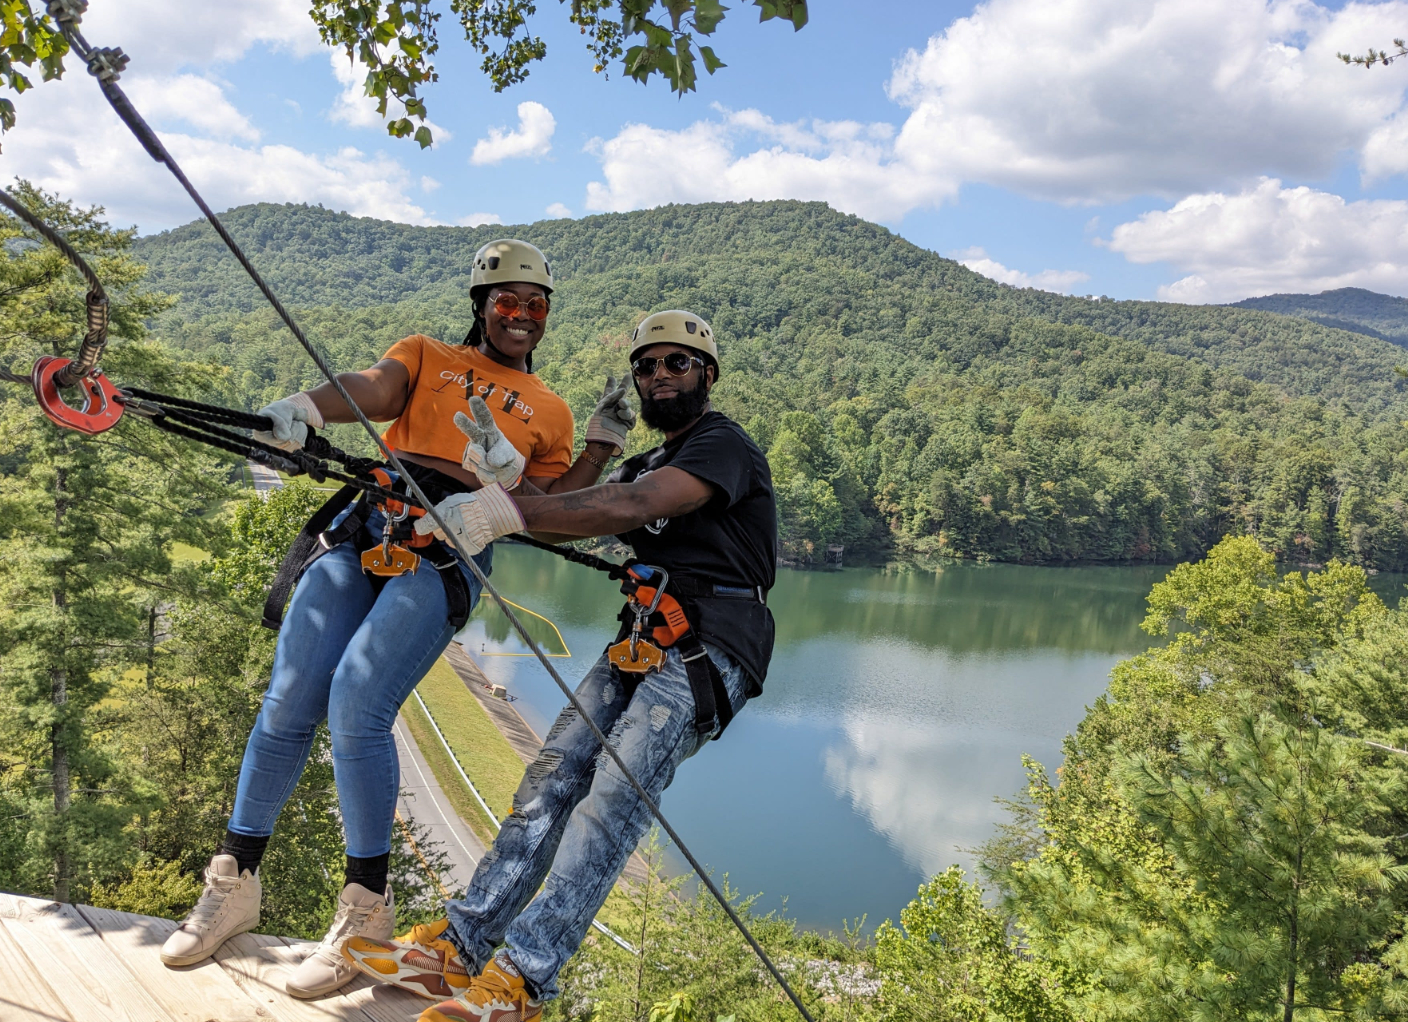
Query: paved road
[
  {"x": 265, "y": 478},
  {"x": 423, "y": 800}
]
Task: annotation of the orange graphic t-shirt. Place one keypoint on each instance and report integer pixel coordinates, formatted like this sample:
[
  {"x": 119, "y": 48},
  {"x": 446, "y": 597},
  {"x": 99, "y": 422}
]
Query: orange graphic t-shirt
[{"x": 443, "y": 379}]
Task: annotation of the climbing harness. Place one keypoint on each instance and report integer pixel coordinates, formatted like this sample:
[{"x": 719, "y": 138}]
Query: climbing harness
[
  {"x": 397, "y": 550},
  {"x": 106, "y": 65},
  {"x": 668, "y": 618}
]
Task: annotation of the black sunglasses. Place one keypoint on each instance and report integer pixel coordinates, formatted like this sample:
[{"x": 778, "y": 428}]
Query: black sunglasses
[{"x": 677, "y": 363}]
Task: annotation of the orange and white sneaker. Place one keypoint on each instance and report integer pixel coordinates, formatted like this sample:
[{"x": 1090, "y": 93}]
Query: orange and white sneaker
[
  {"x": 421, "y": 961},
  {"x": 496, "y": 995}
]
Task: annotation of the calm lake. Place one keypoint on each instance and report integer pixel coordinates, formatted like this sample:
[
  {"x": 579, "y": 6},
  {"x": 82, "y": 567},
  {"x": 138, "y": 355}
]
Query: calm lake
[{"x": 898, "y": 706}]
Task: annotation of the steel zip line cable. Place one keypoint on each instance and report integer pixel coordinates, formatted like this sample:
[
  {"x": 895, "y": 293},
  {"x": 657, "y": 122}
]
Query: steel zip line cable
[{"x": 105, "y": 65}]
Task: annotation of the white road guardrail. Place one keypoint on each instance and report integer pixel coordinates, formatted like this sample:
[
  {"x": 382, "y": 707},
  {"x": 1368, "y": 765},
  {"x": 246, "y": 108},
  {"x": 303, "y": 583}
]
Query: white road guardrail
[{"x": 494, "y": 820}]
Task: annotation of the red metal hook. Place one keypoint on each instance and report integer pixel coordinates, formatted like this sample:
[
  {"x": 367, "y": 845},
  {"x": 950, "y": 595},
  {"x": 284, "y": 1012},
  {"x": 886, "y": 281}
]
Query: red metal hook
[{"x": 102, "y": 405}]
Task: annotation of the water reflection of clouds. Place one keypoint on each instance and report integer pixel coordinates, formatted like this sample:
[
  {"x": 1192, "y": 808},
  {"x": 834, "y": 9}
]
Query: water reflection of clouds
[
  {"x": 883, "y": 596},
  {"x": 926, "y": 739},
  {"x": 928, "y": 792}
]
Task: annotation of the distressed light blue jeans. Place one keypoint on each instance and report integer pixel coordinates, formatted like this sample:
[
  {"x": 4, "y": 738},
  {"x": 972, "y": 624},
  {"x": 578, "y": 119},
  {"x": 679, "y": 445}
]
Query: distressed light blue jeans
[
  {"x": 351, "y": 656},
  {"x": 576, "y": 820}
]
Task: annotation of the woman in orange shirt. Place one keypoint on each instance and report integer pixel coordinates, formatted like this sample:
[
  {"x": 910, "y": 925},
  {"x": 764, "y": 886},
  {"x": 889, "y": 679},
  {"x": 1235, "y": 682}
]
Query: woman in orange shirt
[{"x": 354, "y": 644}]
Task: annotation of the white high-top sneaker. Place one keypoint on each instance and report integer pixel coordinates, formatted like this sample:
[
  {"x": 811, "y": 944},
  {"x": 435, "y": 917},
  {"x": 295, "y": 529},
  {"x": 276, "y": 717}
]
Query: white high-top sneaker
[
  {"x": 360, "y": 913},
  {"x": 229, "y": 905}
]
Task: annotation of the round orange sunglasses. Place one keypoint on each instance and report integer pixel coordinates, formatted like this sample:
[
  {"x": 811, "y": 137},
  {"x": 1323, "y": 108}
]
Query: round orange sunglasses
[{"x": 507, "y": 304}]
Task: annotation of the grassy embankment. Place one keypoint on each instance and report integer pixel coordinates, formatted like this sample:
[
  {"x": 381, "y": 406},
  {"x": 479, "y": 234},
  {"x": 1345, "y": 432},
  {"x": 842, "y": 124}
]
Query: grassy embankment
[{"x": 487, "y": 758}]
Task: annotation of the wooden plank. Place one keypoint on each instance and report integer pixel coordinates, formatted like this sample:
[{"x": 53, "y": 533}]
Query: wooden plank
[
  {"x": 377, "y": 1001},
  {"x": 24, "y": 994},
  {"x": 83, "y": 972},
  {"x": 260, "y": 965},
  {"x": 194, "y": 993}
]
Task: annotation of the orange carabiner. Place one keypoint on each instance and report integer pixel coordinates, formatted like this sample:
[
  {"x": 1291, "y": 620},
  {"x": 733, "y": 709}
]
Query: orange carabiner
[{"x": 102, "y": 402}]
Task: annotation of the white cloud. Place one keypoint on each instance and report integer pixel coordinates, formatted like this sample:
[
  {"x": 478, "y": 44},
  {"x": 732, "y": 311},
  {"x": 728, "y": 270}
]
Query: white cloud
[
  {"x": 841, "y": 162},
  {"x": 192, "y": 100},
  {"x": 1060, "y": 281},
  {"x": 428, "y": 184},
  {"x": 68, "y": 140},
  {"x": 479, "y": 219},
  {"x": 532, "y": 137},
  {"x": 1268, "y": 239},
  {"x": 558, "y": 211},
  {"x": 162, "y": 35},
  {"x": 353, "y": 106},
  {"x": 1099, "y": 100},
  {"x": 1067, "y": 100}
]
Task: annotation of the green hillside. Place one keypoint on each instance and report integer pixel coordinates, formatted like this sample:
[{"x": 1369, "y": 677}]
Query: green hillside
[
  {"x": 908, "y": 405},
  {"x": 1346, "y": 308}
]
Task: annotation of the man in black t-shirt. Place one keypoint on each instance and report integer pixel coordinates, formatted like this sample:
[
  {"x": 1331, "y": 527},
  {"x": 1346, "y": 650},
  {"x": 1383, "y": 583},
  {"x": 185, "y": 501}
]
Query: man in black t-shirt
[{"x": 701, "y": 507}]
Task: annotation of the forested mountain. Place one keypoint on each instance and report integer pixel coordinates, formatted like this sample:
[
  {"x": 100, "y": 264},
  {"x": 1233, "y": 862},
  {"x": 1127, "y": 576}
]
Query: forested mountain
[
  {"x": 907, "y": 404},
  {"x": 1345, "y": 308}
]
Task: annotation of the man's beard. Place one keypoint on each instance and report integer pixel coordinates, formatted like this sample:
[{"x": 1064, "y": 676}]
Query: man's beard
[{"x": 672, "y": 413}]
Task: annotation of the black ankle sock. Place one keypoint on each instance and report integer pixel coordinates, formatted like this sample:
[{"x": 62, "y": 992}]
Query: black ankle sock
[
  {"x": 370, "y": 873},
  {"x": 247, "y": 850}
]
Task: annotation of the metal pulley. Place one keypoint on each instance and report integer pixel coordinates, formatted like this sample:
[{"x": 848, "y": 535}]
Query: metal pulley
[
  {"x": 637, "y": 654},
  {"x": 102, "y": 401}
]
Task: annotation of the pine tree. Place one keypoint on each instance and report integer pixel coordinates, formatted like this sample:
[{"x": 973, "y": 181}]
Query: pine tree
[
  {"x": 1275, "y": 822},
  {"x": 86, "y": 527}
]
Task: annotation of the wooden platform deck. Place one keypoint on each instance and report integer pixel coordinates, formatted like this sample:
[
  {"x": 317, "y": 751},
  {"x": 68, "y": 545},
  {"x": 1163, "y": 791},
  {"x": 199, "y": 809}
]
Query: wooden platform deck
[{"x": 76, "y": 963}]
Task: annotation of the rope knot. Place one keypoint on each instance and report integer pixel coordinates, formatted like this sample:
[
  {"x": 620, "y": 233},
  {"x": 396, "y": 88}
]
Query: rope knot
[
  {"x": 106, "y": 64},
  {"x": 67, "y": 12}
]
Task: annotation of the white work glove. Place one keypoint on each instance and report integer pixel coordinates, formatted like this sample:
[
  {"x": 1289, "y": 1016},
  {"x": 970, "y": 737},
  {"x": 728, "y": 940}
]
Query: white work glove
[
  {"x": 290, "y": 415},
  {"x": 613, "y": 417},
  {"x": 476, "y": 519},
  {"x": 488, "y": 454}
]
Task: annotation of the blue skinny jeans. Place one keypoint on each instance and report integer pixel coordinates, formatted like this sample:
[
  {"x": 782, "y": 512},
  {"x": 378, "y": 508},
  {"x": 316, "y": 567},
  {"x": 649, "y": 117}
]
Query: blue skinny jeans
[
  {"x": 350, "y": 656},
  {"x": 576, "y": 819}
]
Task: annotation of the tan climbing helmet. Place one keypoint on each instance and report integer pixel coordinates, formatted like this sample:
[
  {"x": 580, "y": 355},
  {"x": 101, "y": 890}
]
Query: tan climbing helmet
[
  {"x": 676, "y": 327},
  {"x": 508, "y": 261}
]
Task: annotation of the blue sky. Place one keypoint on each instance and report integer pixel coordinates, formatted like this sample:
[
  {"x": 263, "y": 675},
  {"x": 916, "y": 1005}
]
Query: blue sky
[{"x": 1193, "y": 150}]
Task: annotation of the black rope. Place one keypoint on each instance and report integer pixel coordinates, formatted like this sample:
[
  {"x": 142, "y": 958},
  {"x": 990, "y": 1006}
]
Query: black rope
[
  {"x": 105, "y": 66},
  {"x": 194, "y": 420},
  {"x": 215, "y": 413},
  {"x": 95, "y": 339},
  {"x": 614, "y": 570}
]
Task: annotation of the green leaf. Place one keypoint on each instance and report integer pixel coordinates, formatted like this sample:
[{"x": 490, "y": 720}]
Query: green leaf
[
  {"x": 711, "y": 62},
  {"x": 707, "y": 15},
  {"x": 794, "y": 11},
  {"x": 423, "y": 137}
]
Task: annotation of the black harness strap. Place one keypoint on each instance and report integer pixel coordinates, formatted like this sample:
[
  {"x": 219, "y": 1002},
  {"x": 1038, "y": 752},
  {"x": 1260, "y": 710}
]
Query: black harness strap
[
  {"x": 456, "y": 585},
  {"x": 713, "y": 707},
  {"x": 317, "y": 539},
  {"x": 307, "y": 547}
]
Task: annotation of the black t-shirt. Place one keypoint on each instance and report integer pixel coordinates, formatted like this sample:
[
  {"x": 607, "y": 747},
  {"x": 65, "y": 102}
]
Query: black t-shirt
[{"x": 730, "y": 541}]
